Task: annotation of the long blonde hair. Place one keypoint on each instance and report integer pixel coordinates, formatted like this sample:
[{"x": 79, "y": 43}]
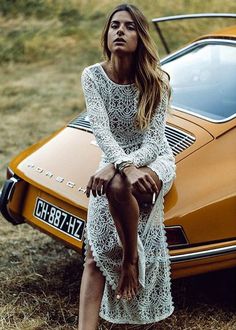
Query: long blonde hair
[{"x": 150, "y": 79}]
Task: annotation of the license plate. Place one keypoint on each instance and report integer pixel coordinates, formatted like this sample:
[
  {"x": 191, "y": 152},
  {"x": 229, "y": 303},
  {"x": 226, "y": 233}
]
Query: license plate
[{"x": 59, "y": 219}]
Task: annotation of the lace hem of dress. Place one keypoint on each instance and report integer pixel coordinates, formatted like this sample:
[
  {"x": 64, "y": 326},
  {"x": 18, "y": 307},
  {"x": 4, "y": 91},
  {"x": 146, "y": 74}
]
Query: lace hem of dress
[
  {"x": 128, "y": 321},
  {"x": 98, "y": 263},
  {"x": 160, "y": 204}
]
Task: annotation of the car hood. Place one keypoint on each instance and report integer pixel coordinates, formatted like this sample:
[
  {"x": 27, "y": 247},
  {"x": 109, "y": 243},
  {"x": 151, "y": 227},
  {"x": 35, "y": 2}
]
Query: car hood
[
  {"x": 214, "y": 128},
  {"x": 64, "y": 163}
]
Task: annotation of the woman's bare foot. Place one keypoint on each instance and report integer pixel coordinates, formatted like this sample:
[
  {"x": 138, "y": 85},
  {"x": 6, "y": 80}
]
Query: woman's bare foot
[{"x": 128, "y": 283}]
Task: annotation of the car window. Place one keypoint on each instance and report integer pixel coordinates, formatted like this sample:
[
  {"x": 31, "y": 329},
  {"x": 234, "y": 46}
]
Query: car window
[{"x": 203, "y": 80}]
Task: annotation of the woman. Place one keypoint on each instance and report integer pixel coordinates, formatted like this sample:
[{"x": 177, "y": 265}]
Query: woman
[{"x": 126, "y": 274}]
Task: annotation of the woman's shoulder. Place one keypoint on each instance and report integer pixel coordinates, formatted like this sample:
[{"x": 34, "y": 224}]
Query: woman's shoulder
[
  {"x": 93, "y": 71},
  {"x": 165, "y": 77},
  {"x": 92, "y": 68}
]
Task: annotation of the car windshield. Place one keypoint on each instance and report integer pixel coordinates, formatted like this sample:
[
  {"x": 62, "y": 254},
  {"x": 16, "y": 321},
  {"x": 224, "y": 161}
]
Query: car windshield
[{"x": 203, "y": 80}]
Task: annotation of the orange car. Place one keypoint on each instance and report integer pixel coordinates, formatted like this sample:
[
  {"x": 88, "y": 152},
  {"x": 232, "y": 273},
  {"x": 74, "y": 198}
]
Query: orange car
[{"x": 46, "y": 182}]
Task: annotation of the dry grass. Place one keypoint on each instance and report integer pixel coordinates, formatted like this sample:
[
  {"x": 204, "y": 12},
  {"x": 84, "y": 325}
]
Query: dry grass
[
  {"x": 40, "y": 280},
  {"x": 43, "y": 50},
  {"x": 36, "y": 100}
]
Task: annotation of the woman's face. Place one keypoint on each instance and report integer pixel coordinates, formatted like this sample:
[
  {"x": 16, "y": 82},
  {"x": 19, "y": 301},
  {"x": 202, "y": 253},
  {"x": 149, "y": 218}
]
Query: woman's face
[{"x": 122, "y": 35}]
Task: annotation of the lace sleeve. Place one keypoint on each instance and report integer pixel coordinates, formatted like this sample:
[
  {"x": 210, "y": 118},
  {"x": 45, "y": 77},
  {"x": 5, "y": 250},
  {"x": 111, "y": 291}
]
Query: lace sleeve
[
  {"x": 155, "y": 146},
  {"x": 165, "y": 166},
  {"x": 99, "y": 120}
]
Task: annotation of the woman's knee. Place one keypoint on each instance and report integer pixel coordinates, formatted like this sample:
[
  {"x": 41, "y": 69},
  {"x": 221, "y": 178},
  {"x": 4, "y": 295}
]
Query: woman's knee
[
  {"x": 90, "y": 264},
  {"x": 118, "y": 189}
]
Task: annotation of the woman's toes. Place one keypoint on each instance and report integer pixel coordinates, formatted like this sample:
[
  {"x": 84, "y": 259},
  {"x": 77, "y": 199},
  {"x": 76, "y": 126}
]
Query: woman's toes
[
  {"x": 136, "y": 288},
  {"x": 133, "y": 293},
  {"x": 125, "y": 294},
  {"x": 130, "y": 294}
]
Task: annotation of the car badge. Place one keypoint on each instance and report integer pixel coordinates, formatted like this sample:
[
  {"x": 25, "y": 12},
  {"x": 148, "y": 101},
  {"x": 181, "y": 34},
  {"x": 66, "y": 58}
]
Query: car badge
[{"x": 50, "y": 175}]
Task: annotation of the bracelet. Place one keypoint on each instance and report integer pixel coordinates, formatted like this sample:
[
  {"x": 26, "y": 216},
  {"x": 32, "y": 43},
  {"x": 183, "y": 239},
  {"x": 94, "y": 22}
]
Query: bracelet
[{"x": 121, "y": 166}]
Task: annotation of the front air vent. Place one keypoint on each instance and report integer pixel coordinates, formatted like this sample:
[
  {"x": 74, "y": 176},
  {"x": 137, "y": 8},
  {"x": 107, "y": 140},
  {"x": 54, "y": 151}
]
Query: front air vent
[{"x": 178, "y": 140}]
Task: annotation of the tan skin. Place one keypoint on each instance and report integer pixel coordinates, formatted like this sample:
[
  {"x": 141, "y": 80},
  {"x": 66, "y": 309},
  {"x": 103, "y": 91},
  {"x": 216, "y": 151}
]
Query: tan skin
[{"x": 125, "y": 193}]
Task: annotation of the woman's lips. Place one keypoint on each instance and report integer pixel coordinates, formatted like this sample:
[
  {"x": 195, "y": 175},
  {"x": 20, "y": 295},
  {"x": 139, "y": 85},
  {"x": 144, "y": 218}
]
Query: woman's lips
[{"x": 119, "y": 40}]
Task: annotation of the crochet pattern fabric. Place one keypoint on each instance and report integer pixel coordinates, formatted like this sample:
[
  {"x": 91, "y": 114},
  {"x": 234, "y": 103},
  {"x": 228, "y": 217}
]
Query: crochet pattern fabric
[{"x": 112, "y": 109}]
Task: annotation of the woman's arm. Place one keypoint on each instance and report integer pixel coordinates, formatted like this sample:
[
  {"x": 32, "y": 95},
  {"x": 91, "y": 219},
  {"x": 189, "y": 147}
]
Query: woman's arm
[
  {"x": 153, "y": 137},
  {"x": 155, "y": 146},
  {"x": 100, "y": 122}
]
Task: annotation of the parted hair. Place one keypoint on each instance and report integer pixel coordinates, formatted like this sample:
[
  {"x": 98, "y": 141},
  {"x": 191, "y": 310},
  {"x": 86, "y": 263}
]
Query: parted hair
[{"x": 152, "y": 82}]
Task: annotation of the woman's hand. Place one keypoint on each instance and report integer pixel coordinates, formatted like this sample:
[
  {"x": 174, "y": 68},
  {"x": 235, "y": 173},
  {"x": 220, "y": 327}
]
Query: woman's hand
[
  {"x": 99, "y": 181},
  {"x": 141, "y": 181}
]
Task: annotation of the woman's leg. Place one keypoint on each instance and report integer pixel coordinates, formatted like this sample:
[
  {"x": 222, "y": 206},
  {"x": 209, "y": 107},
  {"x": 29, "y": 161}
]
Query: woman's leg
[
  {"x": 124, "y": 207},
  {"x": 125, "y": 212},
  {"x": 91, "y": 291}
]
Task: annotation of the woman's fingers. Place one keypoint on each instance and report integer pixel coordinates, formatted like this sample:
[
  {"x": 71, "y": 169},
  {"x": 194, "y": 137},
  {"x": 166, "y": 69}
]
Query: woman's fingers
[
  {"x": 98, "y": 182},
  {"x": 97, "y": 186},
  {"x": 94, "y": 186},
  {"x": 152, "y": 183},
  {"x": 146, "y": 184},
  {"x": 140, "y": 186},
  {"x": 89, "y": 185},
  {"x": 100, "y": 188}
]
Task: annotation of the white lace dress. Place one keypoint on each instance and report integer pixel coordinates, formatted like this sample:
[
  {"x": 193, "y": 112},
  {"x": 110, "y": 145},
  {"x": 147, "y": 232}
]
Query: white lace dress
[{"x": 111, "y": 108}]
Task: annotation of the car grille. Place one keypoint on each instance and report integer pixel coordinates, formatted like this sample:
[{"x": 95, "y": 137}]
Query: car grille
[
  {"x": 178, "y": 140},
  {"x": 81, "y": 122}
]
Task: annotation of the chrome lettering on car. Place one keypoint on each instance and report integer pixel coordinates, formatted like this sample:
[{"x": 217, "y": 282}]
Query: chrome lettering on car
[
  {"x": 82, "y": 189},
  {"x": 50, "y": 175},
  {"x": 39, "y": 169},
  {"x": 70, "y": 184},
  {"x": 59, "y": 179}
]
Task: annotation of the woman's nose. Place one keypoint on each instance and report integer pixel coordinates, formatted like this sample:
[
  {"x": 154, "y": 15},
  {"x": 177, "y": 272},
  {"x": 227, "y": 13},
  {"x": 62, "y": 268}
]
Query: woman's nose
[{"x": 120, "y": 32}]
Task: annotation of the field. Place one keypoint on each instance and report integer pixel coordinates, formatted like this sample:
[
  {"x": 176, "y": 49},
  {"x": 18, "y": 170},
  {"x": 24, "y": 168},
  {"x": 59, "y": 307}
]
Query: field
[
  {"x": 44, "y": 45},
  {"x": 40, "y": 279}
]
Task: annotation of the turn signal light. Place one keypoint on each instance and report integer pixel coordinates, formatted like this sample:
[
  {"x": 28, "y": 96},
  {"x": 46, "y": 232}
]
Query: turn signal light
[{"x": 175, "y": 237}]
